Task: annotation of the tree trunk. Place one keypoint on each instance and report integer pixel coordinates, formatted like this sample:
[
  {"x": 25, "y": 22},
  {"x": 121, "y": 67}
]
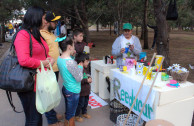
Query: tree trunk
[
  {"x": 97, "y": 26},
  {"x": 86, "y": 32},
  {"x": 145, "y": 25},
  {"x": 110, "y": 29},
  {"x": 192, "y": 27},
  {"x": 120, "y": 16},
  {"x": 179, "y": 28},
  {"x": 2, "y": 33},
  {"x": 119, "y": 27},
  {"x": 162, "y": 40},
  {"x": 136, "y": 30},
  {"x": 142, "y": 32},
  {"x": 169, "y": 28},
  {"x": 82, "y": 16}
]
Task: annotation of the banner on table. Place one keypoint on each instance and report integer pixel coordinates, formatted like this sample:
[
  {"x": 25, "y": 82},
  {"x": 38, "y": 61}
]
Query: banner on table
[
  {"x": 95, "y": 101},
  {"x": 125, "y": 90}
]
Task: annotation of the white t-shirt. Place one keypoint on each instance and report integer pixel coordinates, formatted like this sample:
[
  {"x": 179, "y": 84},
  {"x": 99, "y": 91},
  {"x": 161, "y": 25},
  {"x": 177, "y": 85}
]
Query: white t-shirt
[
  {"x": 120, "y": 42},
  {"x": 125, "y": 42},
  {"x": 63, "y": 29}
]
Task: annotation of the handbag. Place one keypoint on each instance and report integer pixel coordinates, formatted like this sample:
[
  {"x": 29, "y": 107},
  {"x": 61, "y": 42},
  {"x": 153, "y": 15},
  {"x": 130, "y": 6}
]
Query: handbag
[
  {"x": 14, "y": 77},
  {"x": 172, "y": 13},
  {"x": 47, "y": 90}
]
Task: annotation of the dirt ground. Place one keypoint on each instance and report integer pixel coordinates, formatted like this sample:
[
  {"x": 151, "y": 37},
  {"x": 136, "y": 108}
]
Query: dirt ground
[{"x": 181, "y": 47}]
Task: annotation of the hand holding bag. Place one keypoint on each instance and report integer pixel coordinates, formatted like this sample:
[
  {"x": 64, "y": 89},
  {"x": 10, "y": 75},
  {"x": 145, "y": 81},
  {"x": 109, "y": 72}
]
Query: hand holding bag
[{"x": 48, "y": 93}]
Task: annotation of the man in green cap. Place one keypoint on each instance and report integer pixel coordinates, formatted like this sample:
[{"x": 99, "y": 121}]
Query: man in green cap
[{"x": 126, "y": 45}]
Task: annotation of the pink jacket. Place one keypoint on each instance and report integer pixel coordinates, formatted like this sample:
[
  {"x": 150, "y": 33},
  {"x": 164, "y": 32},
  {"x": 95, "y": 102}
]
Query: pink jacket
[{"x": 22, "y": 47}]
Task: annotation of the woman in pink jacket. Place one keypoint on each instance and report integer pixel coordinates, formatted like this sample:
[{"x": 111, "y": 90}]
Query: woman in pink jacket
[{"x": 32, "y": 22}]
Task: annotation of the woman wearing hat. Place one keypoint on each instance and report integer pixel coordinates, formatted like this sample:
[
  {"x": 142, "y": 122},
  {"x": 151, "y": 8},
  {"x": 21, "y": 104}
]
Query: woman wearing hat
[{"x": 126, "y": 45}]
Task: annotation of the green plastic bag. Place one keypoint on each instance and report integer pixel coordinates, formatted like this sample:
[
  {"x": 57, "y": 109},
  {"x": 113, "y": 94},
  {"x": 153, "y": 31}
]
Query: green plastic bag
[{"x": 48, "y": 94}]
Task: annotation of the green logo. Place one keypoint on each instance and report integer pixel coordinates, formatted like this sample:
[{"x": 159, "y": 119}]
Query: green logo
[{"x": 138, "y": 105}]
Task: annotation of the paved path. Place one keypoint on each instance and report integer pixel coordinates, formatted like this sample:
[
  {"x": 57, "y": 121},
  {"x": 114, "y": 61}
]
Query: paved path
[{"x": 100, "y": 116}]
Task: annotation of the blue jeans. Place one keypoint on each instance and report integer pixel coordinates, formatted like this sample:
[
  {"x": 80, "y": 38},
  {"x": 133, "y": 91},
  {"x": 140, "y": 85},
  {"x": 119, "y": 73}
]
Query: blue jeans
[
  {"x": 33, "y": 118},
  {"x": 10, "y": 31},
  {"x": 51, "y": 116},
  {"x": 71, "y": 102},
  {"x": 82, "y": 105}
]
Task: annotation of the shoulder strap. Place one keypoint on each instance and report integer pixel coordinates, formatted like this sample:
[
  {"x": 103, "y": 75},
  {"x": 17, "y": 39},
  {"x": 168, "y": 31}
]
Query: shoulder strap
[
  {"x": 9, "y": 96},
  {"x": 12, "y": 48}
]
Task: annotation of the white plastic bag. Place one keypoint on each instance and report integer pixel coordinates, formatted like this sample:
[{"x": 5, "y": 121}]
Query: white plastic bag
[{"x": 48, "y": 93}]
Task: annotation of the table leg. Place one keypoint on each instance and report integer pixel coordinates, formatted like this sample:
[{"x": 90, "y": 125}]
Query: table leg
[{"x": 95, "y": 80}]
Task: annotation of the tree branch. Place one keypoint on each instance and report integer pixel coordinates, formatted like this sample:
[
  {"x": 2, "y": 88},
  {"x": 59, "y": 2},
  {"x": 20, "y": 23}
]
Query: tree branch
[{"x": 78, "y": 15}]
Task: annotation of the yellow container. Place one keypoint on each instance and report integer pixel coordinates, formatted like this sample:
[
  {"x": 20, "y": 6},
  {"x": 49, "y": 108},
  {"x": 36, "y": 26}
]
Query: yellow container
[
  {"x": 158, "y": 61},
  {"x": 149, "y": 75}
]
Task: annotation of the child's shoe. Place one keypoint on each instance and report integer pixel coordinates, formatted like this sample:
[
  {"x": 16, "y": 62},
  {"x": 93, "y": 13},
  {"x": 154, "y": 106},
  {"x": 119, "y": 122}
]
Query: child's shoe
[
  {"x": 86, "y": 116},
  {"x": 79, "y": 119}
]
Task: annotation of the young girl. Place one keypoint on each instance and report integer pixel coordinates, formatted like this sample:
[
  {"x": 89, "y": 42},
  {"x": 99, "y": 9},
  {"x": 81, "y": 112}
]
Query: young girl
[{"x": 72, "y": 74}]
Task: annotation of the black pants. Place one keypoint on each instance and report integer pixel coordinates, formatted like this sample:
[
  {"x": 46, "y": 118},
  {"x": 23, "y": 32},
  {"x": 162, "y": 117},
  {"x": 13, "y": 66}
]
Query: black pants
[
  {"x": 82, "y": 105},
  {"x": 154, "y": 41},
  {"x": 33, "y": 117}
]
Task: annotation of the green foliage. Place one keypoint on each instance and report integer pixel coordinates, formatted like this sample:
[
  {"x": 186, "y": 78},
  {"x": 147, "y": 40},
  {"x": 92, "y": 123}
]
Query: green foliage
[
  {"x": 9, "y": 9},
  {"x": 104, "y": 11}
]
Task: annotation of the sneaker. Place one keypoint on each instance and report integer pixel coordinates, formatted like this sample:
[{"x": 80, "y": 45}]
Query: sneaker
[
  {"x": 151, "y": 49},
  {"x": 86, "y": 116},
  {"x": 79, "y": 119}
]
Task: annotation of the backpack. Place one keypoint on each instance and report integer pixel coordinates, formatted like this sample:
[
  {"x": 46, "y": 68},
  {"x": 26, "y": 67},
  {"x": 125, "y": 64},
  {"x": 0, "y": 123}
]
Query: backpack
[{"x": 172, "y": 13}]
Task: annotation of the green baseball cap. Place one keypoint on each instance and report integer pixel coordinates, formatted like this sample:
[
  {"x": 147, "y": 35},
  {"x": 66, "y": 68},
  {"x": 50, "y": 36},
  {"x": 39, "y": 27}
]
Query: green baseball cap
[{"x": 127, "y": 26}]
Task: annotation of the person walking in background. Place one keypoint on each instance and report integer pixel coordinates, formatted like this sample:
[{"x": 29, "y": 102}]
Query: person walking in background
[
  {"x": 57, "y": 30},
  {"x": 49, "y": 23},
  {"x": 10, "y": 27},
  {"x": 16, "y": 27},
  {"x": 71, "y": 74},
  {"x": 85, "y": 88},
  {"x": 155, "y": 35},
  {"x": 39, "y": 54},
  {"x": 63, "y": 28}
]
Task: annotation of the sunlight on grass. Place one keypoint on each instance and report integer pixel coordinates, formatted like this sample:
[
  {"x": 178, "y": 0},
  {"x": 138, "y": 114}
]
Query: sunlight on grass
[{"x": 190, "y": 48}]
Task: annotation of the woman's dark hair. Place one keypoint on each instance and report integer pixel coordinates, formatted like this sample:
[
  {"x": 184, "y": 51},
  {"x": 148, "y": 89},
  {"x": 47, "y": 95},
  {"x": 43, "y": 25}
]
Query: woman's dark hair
[
  {"x": 63, "y": 45},
  {"x": 81, "y": 57},
  {"x": 33, "y": 21}
]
